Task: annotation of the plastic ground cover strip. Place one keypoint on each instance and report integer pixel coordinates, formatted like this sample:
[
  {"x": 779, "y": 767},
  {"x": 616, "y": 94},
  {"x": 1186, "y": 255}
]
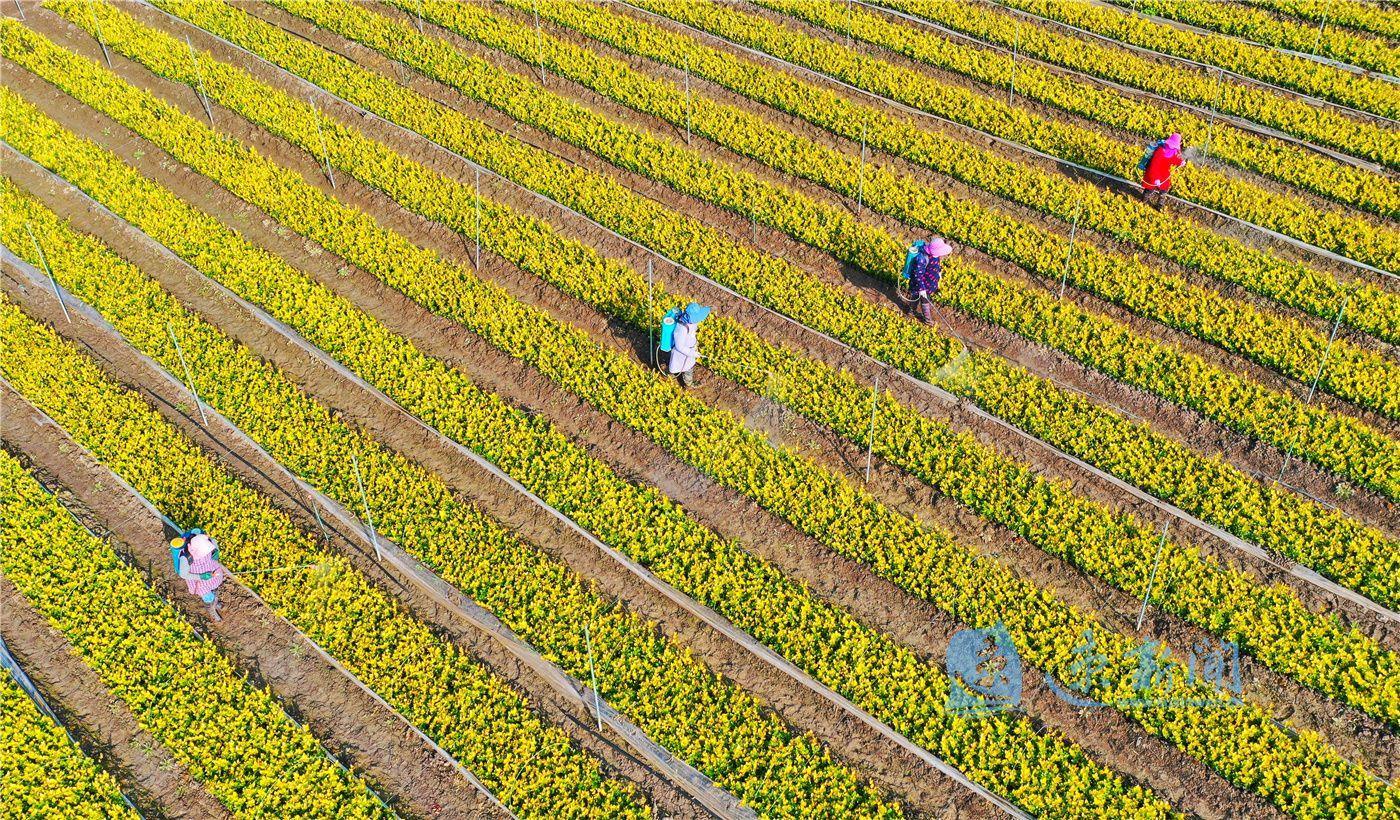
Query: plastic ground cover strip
[
  {"x": 1364, "y": 93},
  {"x": 907, "y": 692},
  {"x": 836, "y": 406},
  {"x": 1274, "y": 341},
  {"x": 1348, "y": 235},
  {"x": 42, "y": 772},
  {"x": 1370, "y": 309},
  {"x": 341, "y": 611},
  {"x": 715, "y": 724},
  {"x": 574, "y": 365},
  {"x": 1326, "y": 438},
  {"x": 1267, "y": 30},
  {"x": 260, "y": 764}
]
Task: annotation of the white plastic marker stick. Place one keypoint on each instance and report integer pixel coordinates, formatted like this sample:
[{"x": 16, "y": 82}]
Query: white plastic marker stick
[
  {"x": 369, "y": 516},
  {"x": 44, "y": 260},
  {"x": 651, "y": 317},
  {"x": 1069, "y": 254},
  {"x": 199, "y": 74},
  {"x": 860, "y": 184},
  {"x": 325, "y": 154},
  {"x": 1152, "y": 579},
  {"x": 689, "y": 106},
  {"x": 1317, "y": 377},
  {"x": 1015, "y": 51},
  {"x": 870, "y": 449},
  {"x": 593, "y": 677},
  {"x": 189, "y": 376},
  {"x": 20, "y": 9},
  {"x": 420, "y": 16},
  {"x": 477, "y": 203},
  {"x": 97, "y": 29}
]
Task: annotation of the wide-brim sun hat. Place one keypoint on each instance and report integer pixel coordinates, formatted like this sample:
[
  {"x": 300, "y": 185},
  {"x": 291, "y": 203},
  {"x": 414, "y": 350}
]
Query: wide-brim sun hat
[
  {"x": 201, "y": 546},
  {"x": 936, "y": 247},
  {"x": 1174, "y": 142},
  {"x": 696, "y": 312}
]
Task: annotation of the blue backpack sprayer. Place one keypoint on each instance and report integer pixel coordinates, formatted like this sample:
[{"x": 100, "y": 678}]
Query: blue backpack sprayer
[
  {"x": 668, "y": 332},
  {"x": 902, "y": 289}
]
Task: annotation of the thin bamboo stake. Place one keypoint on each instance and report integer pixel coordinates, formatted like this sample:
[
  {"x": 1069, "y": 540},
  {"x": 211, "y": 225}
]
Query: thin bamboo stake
[
  {"x": 1317, "y": 377},
  {"x": 1152, "y": 579},
  {"x": 1069, "y": 254},
  {"x": 97, "y": 30},
  {"x": 477, "y": 204},
  {"x": 189, "y": 375},
  {"x": 593, "y": 678},
  {"x": 200, "y": 90},
  {"x": 44, "y": 260},
  {"x": 870, "y": 443},
  {"x": 369, "y": 516},
  {"x": 325, "y": 153}
]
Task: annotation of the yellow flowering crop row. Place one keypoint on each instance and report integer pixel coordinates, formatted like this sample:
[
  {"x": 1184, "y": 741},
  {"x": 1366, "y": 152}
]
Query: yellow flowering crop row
[
  {"x": 1364, "y": 559},
  {"x": 1266, "y": 29},
  {"x": 422, "y": 191},
  {"x": 1241, "y": 742},
  {"x": 230, "y": 735},
  {"x": 472, "y": 713},
  {"x": 1350, "y": 235},
  {"x": 880, "y": 676},
  {"x": 1355, "y": 14},
  {"x": 1295, "y": 165},
  {"x": 1312, "y": 433},
  {"x": 42, "y": 774},
  {"x": 1372, "y": 94},
  {"x": 1371, "y": 309},
  {"x": 677, "y": 700},
  {"x": 1365, "y": 377}
]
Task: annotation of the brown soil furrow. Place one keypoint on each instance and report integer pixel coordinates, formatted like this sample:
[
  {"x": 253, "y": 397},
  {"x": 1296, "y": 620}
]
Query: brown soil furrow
[
  {"x": 1049, "y": 112},
  {"x": 925, "y": 175},
  {"x": 398, "y": 219},
  {"x": 156, "y": 783},
  {"x": 1172, "y": 420},
  {"x": 274, "y": 655},
  {"x": 863, "y": 749},
  {"x": 452, "y": 245},
  {"x": 874, "y": 600}
]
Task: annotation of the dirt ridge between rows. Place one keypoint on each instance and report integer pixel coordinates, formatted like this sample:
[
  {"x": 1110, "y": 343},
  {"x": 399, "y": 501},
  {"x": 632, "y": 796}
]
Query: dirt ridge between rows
[{"x": 874, "y": 600}]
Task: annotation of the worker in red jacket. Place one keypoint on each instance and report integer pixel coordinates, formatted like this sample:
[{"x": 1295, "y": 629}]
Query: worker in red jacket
[{"x": 1157, "y": 169}]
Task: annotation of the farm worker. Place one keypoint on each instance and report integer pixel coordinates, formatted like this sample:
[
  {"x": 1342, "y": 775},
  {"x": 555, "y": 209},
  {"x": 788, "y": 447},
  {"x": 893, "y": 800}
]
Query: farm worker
[
  {"x": 685, "y": 349},
  {"x": 925, "y": 273},
  {"x": 202, "y": 571},
  {"x": 1157, "y": 173}
]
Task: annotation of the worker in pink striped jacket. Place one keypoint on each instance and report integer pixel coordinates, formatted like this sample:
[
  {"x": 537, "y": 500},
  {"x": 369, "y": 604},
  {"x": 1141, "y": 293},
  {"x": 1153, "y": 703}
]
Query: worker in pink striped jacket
[{"x": 199, "y": 565}]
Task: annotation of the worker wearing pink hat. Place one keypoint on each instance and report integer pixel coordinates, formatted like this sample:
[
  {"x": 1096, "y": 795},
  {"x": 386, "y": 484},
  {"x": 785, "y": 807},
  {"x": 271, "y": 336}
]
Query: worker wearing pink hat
[
  {"x": 925, "y": 272},
  {"x": 198, "y": 564},
  {"x": 1157, "y": 167}
]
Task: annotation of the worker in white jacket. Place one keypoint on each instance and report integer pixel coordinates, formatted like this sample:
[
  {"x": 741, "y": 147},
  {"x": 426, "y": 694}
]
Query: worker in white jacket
[{"x": 685, "y": 348}]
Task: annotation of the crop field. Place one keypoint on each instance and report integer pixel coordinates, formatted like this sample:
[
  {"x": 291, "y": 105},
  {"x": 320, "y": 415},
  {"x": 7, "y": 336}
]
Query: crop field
[{"x": 381, "y": 295}]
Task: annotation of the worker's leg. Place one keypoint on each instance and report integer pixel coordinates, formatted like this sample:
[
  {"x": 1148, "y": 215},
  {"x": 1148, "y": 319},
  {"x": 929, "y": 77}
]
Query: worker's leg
[
  {"x": 925, "y": 309},
  {"x": 211, "y": 600},
  {"x": 686, "y": 377}
]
